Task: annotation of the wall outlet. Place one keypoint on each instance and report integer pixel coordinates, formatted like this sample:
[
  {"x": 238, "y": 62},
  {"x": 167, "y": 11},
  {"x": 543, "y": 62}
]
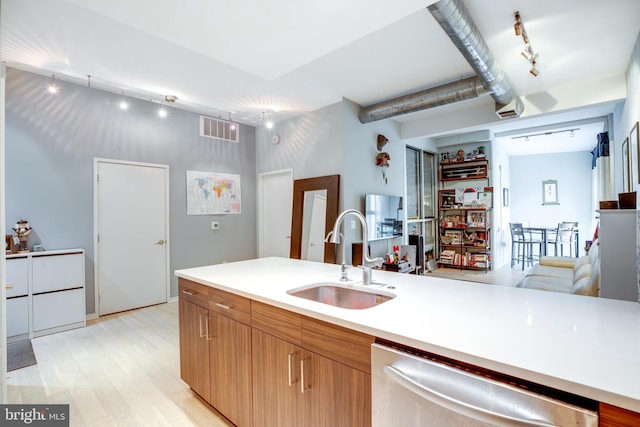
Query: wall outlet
[
  {"x": 352, "y": 224},
  {"x": 215, "y": 225}
]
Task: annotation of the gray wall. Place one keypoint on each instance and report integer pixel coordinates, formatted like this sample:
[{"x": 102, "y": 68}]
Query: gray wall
[
  {"x": 51, "y": 141},
  {"x": 329, "y": 141},
  {"x": 573, "y": 173}
]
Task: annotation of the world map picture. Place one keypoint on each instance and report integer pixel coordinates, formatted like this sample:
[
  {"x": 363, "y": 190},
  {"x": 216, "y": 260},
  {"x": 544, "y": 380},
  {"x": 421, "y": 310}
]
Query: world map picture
[{"x": 211, "y": 193}]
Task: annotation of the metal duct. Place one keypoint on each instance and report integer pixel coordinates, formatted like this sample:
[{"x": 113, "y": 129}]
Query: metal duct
[
  {"x": 428, "y": 98},
  {"x": 456, "y": 22}
]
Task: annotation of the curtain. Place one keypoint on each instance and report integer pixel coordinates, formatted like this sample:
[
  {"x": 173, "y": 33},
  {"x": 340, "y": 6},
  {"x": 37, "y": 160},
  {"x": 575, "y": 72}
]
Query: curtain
[{"x": 601, "y": 170}]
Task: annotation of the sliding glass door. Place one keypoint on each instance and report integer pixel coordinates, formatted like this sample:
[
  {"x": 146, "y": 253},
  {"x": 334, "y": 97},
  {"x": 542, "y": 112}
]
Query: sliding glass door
[{"x": 420, "y": 205}]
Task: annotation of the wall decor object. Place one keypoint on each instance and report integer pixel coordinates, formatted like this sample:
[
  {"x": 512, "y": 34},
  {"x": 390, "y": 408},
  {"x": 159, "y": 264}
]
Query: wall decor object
[
  {"x": 381, "y": 142},
  {"x": 550, "y": 192},
  {"x": 634, "y": 139},
  {"x": 211, "y": 193},
  {"x": 505, "y": 197},
  {"x": 626, "y": 166}
]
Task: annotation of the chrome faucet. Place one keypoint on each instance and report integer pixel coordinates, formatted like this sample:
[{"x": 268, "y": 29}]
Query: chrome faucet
[{"x": 367, "y": 263}]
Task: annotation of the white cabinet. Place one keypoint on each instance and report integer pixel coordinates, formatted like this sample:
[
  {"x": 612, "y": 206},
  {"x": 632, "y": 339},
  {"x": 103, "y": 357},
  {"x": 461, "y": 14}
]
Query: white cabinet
[
  {"x": 45, "y": 293},
  {"x": 617, "y": 252}
]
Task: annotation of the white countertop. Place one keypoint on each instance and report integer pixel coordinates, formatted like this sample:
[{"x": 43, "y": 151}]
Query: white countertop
[{"x": 584, "y": 345}]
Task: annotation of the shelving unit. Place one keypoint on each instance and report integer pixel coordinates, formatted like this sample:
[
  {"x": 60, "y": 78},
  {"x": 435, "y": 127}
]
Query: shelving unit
[
  {"x": 464, "y": 215},
  {"x": 465, "y": 238}
]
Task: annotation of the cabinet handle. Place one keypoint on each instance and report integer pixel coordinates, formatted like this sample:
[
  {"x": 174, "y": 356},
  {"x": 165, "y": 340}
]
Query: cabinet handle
[
  {"x": 202, "y": 334},
  {"x": 184, "y": 291},
  {"x": 291, "y": 379},
  {"x": 9, "y": 286},
  {"x": 209, "y": 338},
  {"x": 226, "y": 307},
  {"x": 303, "y": 387}
]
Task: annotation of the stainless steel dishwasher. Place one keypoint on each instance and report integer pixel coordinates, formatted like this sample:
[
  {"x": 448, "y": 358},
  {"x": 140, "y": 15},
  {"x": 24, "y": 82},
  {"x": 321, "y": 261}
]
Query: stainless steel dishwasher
[{"x": 409, "y": 390}]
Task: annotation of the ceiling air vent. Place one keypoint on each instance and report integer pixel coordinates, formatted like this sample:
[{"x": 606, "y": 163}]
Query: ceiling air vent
[{"x": 219, "y": 129}]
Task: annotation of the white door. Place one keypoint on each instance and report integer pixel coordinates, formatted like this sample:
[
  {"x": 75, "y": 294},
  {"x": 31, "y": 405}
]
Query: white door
[
  {"x": 132, "y": 227},
  {"x": 275, "y": 202},
  {"x": 315, "y": 251}
]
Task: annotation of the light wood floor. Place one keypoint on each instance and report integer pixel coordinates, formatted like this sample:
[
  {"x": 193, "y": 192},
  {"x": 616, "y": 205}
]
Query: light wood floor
[{"x": 120, "y": 370}]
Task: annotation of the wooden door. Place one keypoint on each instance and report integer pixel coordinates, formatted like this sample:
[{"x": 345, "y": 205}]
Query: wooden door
[
  {"x": 230, "y": 352},
  {"x": 131, "y": 216},
  {"x": 194, "y": 348},
  {"x": 335, "y": 395},
  {"x": 276, "y": 382}
]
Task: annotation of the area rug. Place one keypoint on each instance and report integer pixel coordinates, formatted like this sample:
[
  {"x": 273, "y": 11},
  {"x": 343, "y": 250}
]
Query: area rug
[{"x": 20, "y": 355}]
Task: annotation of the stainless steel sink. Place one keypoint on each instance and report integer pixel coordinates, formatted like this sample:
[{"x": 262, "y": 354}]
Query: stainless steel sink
[{"x": 341, "y": 295}]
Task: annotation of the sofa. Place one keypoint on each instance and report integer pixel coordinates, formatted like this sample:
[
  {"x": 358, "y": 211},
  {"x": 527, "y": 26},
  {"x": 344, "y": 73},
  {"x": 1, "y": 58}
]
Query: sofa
[{"x": 568, "y": 275}]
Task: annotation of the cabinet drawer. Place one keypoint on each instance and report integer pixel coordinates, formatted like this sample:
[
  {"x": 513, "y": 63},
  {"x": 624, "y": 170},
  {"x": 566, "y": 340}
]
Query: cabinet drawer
[
  {"x": 17, "y": 316},
  {"x": 58, "y": 308},
  {"x": 276, "y": 321},
  {"x": 230, "y": 305},
  {"x": 17, "y": 277},
  {"x": 343, "y": 345},
  {"x": 57, "y": 272},
  {"x": 193, "y": 292}
]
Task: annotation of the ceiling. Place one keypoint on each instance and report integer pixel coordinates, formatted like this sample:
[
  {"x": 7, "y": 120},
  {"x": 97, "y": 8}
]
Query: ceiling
[{"x": 288, "y": 57}]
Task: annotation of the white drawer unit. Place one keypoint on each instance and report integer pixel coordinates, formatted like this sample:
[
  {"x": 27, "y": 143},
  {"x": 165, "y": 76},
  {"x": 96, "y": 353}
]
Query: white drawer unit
[
  {"x": 45, "y": 293},
  {"x": 58, "y": 309},
  {"x": 17, "y": 277},
  {"x": 57, "y": 272},
  {"x": 18, "y": 318}
]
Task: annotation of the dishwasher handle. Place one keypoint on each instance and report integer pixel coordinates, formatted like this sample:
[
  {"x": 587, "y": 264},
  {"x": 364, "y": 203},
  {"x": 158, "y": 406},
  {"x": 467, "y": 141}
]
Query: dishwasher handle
[{"x": 455, "y": 404}]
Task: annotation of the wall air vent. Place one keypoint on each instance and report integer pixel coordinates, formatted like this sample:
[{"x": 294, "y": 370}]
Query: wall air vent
[{"x": 219, "y": 129}]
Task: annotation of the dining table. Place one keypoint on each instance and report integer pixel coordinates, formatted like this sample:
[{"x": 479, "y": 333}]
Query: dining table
[{"x": 545, "y": 231}]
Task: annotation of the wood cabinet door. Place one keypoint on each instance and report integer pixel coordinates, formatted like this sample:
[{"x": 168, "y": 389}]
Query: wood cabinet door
[
  {"x": 194, "y": 348},
  {"x": 230, "y": 353},
  {"x": 276, "y": 381},
  {"x": 335, "y": 395}
]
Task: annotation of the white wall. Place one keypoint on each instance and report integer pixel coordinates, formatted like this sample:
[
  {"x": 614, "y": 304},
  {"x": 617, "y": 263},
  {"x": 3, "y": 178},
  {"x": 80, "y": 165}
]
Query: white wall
[{"x": 574, "y": 176}]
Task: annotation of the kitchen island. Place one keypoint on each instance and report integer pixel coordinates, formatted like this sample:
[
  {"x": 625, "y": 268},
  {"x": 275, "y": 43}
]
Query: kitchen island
[{"x": 583, "y": 345}]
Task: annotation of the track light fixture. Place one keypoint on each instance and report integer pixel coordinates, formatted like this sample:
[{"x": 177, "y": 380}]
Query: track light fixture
[
  {"x": 572, "y": 133},
  {"x": 52, "y": 86},
  {"x": 528, "y": 52},
  {"x": 162, "y": 112},
  {"x": 268, "y": 123},
  {"x": 123, "y": 103}
]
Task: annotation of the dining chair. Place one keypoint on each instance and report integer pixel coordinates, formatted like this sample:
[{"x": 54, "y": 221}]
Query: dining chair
[
  {"x": 522, "y": 244},
  {"x": 564, "y": 236}
]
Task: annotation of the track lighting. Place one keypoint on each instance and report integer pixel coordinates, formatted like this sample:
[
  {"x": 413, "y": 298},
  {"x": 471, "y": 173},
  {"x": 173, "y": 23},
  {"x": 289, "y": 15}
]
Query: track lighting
[
  {"x": 52, "y": 86},
  {"x": 123, "y": 103},
  {"x": 232, "y": 125},
  {"x": 268, "y": 123},
  {"x": 528, "y": 52},
  {"x": 162, "y": 112},
  {"x": 526, "y": 137}
]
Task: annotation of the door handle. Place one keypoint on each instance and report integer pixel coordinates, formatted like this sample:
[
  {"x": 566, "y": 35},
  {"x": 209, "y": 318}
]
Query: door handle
[
  {"x": 160, "y": 242},
  {"x": 9, "y": 286}
]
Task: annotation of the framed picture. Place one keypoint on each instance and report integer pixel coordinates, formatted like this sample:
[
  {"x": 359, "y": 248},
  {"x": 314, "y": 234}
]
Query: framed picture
[
  {"x": 505, "y": 197},
  {"x": 634, "y": 140},
  {"x": 626, "y": 166},
  {"x": 550, "y": 192},
  {"x": 485, "y": 198}
]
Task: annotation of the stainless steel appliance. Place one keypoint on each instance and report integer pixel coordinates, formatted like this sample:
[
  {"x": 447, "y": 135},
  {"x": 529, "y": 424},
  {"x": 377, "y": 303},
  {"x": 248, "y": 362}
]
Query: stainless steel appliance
[{"x": 408, "y": 390}]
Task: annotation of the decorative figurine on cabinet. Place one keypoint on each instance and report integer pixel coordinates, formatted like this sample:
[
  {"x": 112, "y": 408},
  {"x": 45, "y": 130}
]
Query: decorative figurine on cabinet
[{"x": 22, "y": 230}]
